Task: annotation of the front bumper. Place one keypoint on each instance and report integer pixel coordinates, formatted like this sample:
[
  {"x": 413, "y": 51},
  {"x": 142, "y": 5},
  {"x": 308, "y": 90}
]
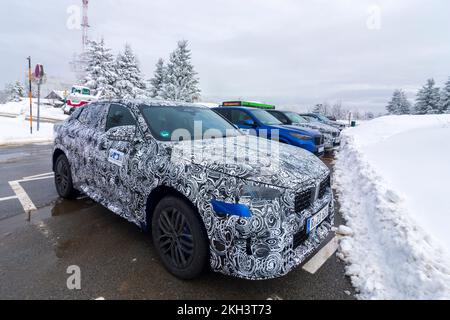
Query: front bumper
[{"x": 272, "y": 242}]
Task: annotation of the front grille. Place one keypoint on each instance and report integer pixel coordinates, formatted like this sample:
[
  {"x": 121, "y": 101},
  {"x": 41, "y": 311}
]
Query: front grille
[
  {"x": 324, "y": 185},
  {"x": 303, "y": 200},
  {"x": 318, "y": 140}
]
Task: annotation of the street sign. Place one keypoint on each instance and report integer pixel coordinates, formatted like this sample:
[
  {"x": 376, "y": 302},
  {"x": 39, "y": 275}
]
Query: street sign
[{"x": 39, "y": 71}]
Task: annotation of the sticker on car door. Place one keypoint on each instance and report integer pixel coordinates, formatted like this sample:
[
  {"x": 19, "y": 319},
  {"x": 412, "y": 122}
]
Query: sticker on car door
[{"x": 116, "y": 157}]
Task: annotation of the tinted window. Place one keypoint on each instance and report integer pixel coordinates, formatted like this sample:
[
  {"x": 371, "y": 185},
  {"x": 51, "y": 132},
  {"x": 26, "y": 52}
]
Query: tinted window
[
  {"x": 164, "y": 120},
  {"x": 265, "y": 117},
  {"x": 295, "y": 118},
  {"x": 239, "y": 116},
  {"x": 226, "y": 113},
  {"x": 119, "y": 116},
  {"x": 280, "y": 116}
]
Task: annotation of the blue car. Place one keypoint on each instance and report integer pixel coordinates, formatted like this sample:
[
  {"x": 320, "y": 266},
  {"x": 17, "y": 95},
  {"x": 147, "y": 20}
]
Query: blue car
[{"x": 257, "y": 121}]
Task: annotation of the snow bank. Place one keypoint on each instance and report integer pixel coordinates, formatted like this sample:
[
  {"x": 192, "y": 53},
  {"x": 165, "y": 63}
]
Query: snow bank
[
  {"x": 23, "y": 107},
  {"x": 392, "y": 177},
  {"x": 17, "y": 131}
]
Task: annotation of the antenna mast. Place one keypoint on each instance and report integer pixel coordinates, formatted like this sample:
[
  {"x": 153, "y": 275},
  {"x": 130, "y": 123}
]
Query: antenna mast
[{"x": 85, "y": 24}]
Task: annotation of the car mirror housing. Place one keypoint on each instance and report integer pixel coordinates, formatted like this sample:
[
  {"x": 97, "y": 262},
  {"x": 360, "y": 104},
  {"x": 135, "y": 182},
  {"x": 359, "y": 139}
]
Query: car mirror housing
[{"x": 122, "y": 133}]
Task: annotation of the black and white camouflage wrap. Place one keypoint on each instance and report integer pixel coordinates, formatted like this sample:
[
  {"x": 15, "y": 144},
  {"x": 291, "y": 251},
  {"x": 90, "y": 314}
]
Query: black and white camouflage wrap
[
  {"x": 260, "y": 247},
  {"x": 331, "y": 134}
]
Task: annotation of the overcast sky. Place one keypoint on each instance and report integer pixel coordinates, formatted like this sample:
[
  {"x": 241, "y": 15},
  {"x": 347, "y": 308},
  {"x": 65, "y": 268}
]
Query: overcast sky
[{"x": 290, "y": 53}]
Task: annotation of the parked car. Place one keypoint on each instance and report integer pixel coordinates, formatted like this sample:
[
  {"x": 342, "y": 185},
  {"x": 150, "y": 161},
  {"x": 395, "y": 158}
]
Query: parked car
[
  {"x": 331, "y": 135},
  {"x": 256, "y": 121},
  {"x": 254, "y": 215},
  {"x": 320, "y": 118},
  {"x": 78, "y": 97}
]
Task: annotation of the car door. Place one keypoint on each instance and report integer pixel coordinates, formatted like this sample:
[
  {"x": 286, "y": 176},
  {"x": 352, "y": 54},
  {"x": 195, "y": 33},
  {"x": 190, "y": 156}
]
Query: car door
[
  {"x": 83, "y": 138},
  {"x": 118, "y": 145}
]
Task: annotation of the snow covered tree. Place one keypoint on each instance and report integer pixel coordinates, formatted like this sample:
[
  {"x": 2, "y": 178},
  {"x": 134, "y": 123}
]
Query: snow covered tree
[
  {"x": 14, "y": 91},
  {"x": 180, "y": 82},
  {"x": 100, "y": 73},
  {"x": 428, "y": 99},
  {"x": 157, "y": 82},
  {"x": 445, "y": 98},
  {"x": 399, "y": 103},
  {"x": 129, "y": 83}
]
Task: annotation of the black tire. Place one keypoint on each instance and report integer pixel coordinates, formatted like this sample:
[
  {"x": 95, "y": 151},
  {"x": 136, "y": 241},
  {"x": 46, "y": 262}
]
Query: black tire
[
  {"x": 179, "y": 238},
  {"x": 63, "y": 178}
]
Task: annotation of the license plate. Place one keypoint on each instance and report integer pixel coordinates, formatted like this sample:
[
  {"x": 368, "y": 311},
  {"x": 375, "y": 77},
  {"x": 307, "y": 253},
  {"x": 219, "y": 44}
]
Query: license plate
[
  {"x": 316, "y": 219},
  {"x": 321, "y": 149}
]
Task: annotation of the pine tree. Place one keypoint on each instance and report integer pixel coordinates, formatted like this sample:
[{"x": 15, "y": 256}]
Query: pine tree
[
  {"x": 157, "y": 82},
  {"x": 100, "y": 74},
  {"x": 445, "y": 98},
  {"x": 399, "y": 103},
  {"x": 130, "y": 83},
  {"x": 180, "y": 82},
  {"x": 15, "y": 91},
  {"x": 428, "y": 99}
]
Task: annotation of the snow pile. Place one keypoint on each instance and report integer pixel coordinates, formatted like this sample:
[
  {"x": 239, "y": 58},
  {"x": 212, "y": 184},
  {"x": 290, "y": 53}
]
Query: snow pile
[
  {"x": 17, "y": 131},
  {"x": 23, "y": 107},
  {"x": 392, "y": 177}
]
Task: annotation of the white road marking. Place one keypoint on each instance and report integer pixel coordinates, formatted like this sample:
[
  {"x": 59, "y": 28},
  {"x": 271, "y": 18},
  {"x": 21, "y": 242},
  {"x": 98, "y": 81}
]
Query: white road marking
[
  {"x": 8, "y": 198},
  {"x": 314, "y": 264},
  {"x": 39, "y": 175},
  {"x": 23, "y": 197}
]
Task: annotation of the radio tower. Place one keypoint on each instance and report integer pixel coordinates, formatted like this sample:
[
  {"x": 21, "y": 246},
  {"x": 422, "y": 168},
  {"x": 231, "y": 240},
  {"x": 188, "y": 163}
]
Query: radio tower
[{"x": 85, "y": 24}]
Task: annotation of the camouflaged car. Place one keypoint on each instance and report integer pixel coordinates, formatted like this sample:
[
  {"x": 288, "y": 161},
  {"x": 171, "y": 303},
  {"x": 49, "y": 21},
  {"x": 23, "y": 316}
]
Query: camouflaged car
[{"x": 209, "y": 194}]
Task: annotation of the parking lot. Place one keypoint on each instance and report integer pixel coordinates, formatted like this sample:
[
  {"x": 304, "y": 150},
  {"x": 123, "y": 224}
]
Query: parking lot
[{"x": 42, "y": 235}]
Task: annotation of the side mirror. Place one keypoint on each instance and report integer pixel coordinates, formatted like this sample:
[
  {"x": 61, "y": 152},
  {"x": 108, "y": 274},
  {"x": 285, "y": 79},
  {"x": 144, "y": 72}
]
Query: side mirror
[
  {"x": 123, "y": 133},
  {"x": 248, "y": 122}
]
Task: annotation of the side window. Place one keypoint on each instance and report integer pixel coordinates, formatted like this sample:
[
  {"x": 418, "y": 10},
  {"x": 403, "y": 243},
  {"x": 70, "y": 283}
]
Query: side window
[
  {"x": 224, "y": 113},
  {"x": 119, "y": 116},
  {"x": 91, "y": 115},
  {"x": 83, "y": 116},
  {"x": 239, "y": 116},
  {"x": 280, "y": 116}
]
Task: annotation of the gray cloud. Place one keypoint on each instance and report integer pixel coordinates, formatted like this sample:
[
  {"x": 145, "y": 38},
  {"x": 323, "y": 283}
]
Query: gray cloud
[{"x": 293, "y": 53}]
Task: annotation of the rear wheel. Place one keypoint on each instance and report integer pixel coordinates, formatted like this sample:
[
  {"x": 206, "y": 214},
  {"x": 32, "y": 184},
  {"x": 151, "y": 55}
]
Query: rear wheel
[
  {"x": 63, "y": 178},
  {"x": 179, "y": 238}
]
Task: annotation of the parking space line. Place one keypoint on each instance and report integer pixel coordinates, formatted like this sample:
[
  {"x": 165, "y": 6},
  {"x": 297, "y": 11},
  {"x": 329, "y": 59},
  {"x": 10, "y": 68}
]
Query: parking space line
[
  {"x": 8, "y": 198},
  {"x": 38, "y": 175},
  {"x": 23, "y": 197},
  {"x": 316, "y": 262}
]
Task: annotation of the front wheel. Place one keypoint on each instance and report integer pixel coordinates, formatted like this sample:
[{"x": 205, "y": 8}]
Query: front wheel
[
  {"x": 179, "y": 238},
  {"x": 63, "y": 178}
]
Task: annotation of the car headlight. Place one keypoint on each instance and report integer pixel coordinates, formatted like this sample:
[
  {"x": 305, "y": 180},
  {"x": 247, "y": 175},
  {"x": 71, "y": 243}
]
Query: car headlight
[
  {"x": 259, "y": 192},
  {"x": 300, "y": 136}
]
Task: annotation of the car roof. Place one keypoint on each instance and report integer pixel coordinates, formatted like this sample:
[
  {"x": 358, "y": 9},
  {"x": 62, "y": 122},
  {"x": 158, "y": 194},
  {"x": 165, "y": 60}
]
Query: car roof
[
  {"x": 239, "y": 108},
  {"x": 151, "y": 102}
]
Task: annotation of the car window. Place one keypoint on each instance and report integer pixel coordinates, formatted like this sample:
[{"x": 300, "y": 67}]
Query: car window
[
  {"x": 165, "y": 121},
  {"x": 266, "y": 118},
  {"x": 280, "y": 116},
  {"x": 226, "y": 113},
  {"x": 295, "y": 118},
  {"x": 118, "y": 116},
  {"x": 239, "y": 116},
  {"x": 91, "y": 115}
]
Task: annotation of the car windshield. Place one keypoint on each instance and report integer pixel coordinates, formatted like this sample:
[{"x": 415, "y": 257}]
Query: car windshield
[
  {"x": 295, "y": 118},
  {"x": 266, "y": 118},
  {"x": 322, "y": 118},
  {"x": 174, "y": 123}
]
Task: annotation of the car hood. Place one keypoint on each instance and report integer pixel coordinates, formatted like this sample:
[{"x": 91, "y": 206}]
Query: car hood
[
  {"x": 252, "y": 158},
  {"x": 304, "y": 130}
]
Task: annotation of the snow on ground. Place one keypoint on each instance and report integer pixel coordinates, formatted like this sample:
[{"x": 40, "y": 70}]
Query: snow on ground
[
  {"x": 23, "y": 107},
  {"x": 392, "y": 178},
  {"x": 17, "y": 131}
]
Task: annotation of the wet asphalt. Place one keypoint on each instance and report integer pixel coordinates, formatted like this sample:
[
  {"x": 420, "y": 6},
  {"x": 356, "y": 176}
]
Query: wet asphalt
[{"x": 117, "y": 260}]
